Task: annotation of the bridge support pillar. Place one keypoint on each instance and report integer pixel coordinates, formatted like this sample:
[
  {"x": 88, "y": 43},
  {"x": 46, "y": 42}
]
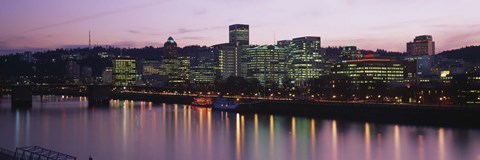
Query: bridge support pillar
[
  {"x": 99, "y": 95},
  {"x": 21, "y": 97}
]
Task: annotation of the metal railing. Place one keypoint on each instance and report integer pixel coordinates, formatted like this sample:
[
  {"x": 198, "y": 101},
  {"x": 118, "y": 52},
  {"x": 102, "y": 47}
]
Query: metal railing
[{"x": 6, "y": 154}]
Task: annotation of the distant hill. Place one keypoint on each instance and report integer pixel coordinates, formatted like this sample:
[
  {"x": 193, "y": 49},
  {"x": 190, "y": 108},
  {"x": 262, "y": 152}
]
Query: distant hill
[{"x": 469, "y": 54}]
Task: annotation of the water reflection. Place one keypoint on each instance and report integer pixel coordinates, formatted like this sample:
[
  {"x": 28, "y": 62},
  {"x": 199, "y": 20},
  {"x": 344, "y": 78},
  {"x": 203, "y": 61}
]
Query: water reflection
[
  {"x": 144, "y": 130},
  {"x": 294, "y": 139},
  {"x": 272, "y": 138},
  {"x": 367, "y": 142},
  {"x": 421, "y": 147},
  {"x": 397, "y": 142},
  {"x": 334, "y": 140},
  {"x": 441, "y": 144}
]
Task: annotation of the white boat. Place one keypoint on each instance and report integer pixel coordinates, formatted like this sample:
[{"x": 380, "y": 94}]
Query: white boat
[{"x": 225, "y": 104}]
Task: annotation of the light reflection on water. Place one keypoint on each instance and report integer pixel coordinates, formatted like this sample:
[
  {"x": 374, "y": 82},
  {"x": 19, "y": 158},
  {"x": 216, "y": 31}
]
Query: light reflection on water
[{"x": 143, "y": 130}]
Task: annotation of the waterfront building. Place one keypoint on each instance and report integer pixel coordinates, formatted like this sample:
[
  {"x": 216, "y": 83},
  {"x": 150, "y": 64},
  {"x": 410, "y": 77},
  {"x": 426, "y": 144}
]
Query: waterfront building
[
  {"x": 367, "y": 71},
  {"x": 184, "y": 68},
  {"x": 306, "y": 61},
  {"x": 124, "y": 71},
  {"x": 239, "y": 35},
  {"x": 174, "y": 65},
  {"x": 230, "y": 59},
  {"x": 202, "y": 67},
  {"x": 266, "y": 63},
  {"x": 153, "y": 73},
  {"x": 421, "y": 45},
  {"x": 230, "y": 54}
]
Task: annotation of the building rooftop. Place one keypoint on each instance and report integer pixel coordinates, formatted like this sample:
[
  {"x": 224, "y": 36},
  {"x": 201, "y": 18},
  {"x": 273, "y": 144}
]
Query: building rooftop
[
  {"x": 265, "y": 47},
  {"x": 369, "y": 60},
  {"x": 423, "y": 38},
  {"x": 170, "y": 40}
]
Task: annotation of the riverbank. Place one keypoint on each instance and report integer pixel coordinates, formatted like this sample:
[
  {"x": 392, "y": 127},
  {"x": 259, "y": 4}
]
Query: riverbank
[
  {"x": 457, "y": 116},
  {"x": 385, "y": 113}
]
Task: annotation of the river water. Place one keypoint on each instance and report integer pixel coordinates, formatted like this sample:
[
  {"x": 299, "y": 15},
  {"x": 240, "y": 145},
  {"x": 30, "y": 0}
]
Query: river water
[{"x": 143, "y": 130}]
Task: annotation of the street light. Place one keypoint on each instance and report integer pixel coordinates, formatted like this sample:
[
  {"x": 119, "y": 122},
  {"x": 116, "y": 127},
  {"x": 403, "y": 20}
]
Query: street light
[{"x": 440, "y": 102}]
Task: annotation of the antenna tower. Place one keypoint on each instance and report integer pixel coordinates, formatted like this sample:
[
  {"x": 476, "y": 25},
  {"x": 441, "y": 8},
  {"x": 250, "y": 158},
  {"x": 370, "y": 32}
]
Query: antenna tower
[{"x": 89, "y": 39}]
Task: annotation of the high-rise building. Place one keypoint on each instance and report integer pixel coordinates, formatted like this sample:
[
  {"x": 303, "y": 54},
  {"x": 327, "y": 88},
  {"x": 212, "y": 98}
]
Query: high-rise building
[
  {"x": 230, "y": 59},
  {"x": 266, "y": 63},
  {"x": 306, "y": 60},
  {"x": 184, "y": 68},
  {"x": 421, "y": 45},
  {"x": 239, "y": 35},
  {"x": 170, "y": 48},
  {"x": 124, "y": 71},
  {"x": 202, "y": 67},
  {"x": 230, "y": 54},
  {"x": 174, "y": 67}
]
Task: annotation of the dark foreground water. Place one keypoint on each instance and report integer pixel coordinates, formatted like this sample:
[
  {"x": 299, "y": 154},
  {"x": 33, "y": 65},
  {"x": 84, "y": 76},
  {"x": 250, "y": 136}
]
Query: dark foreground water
[{"x": 142, "y": 130}]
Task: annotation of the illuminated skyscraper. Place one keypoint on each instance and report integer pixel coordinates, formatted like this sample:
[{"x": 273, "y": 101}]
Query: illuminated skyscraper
[
  {"x": 202, "y": 67},
  {"x": 230, "y": 59},
  {"x": 184, "y": 68},
  {"x": 421, "y": 45},
  {"x": 266, "y": 63},
  {"x": 306, "y": 60},
  {"x": 239, "y": 35},
  {"x": 124, "y": 71},
  {"x": 230, "y": 54},
  {"x": 170, "y": 49},
  {"x": 174, "y": 67}
]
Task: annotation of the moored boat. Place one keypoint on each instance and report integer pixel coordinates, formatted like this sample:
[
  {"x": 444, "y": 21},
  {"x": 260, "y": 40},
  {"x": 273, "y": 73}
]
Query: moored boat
[
  {"x": 233, "y": 104},
  {"x": 202, "y": 101},
  {"x": 225, "y": 104}
]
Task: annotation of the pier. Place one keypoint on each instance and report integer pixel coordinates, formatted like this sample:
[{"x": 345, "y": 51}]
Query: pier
[{"x": 33, "y": 153}]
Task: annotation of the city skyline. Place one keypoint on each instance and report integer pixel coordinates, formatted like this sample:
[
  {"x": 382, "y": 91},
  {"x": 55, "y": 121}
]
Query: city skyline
[{"x": 148, "y": 23}]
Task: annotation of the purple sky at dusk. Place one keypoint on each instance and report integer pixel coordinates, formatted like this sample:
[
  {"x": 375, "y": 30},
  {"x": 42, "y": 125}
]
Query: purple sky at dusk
[{"x": 369, "y": 24}]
